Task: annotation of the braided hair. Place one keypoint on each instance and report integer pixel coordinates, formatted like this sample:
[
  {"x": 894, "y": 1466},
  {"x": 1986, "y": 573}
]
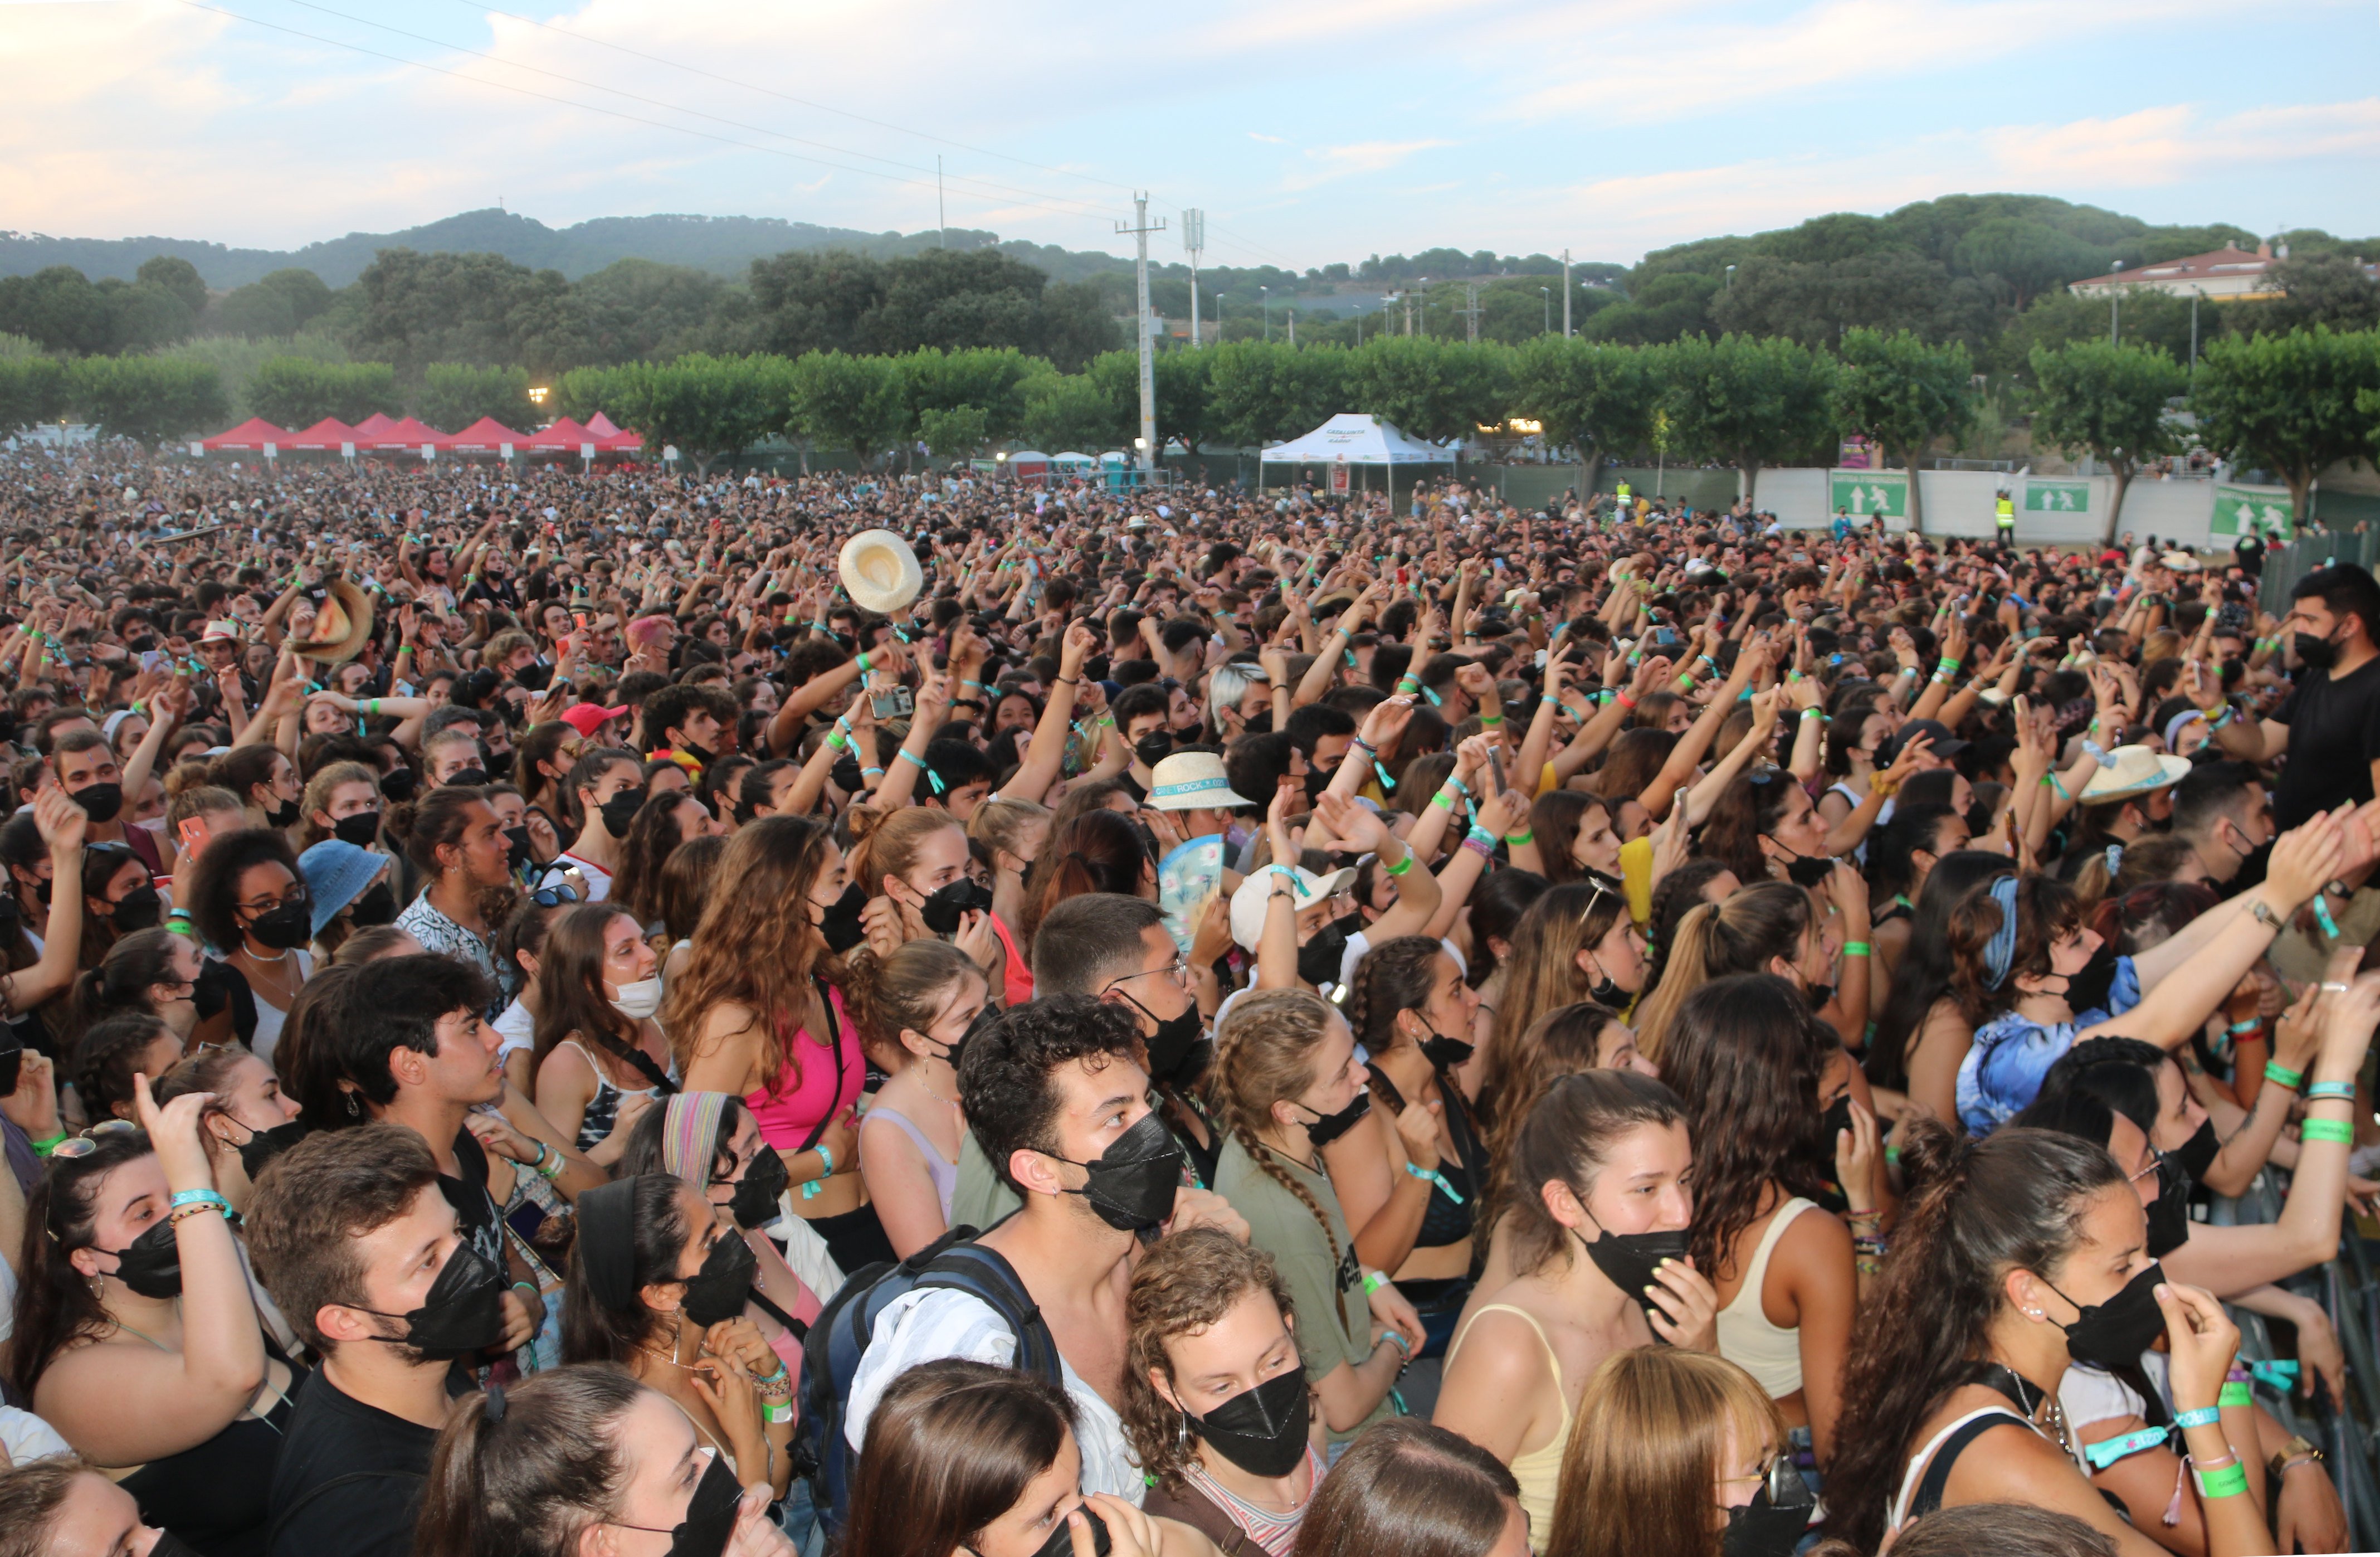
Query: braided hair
[{"x": 1264, "y": 1054}]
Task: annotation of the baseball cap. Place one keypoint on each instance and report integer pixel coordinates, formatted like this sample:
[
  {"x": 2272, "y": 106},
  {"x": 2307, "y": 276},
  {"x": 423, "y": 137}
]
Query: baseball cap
[{"x": 588, "y": 718}]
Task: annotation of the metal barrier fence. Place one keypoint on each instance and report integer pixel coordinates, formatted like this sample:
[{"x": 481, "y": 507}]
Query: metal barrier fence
[
  {"x": 2285, "y": 566},
  {"x": 2346, "y": 1290}
]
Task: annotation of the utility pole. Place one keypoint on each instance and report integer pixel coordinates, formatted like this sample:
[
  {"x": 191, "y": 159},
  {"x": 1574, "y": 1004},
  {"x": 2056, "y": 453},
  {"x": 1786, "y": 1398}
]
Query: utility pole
[
  {"x": 1140, "y": 229},
  {"x": 1565, "y": 293},
  {"x": 942, "y": 206},
  {"x": 1470, "y": 312},
  {"x": 1194, "y": 239},
  {"x": 2194, "y": 335}
]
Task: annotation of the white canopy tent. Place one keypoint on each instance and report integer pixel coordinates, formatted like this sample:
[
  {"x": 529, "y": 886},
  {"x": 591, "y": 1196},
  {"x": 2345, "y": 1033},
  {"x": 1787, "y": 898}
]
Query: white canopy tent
[{"x": 1354, "y": 438}]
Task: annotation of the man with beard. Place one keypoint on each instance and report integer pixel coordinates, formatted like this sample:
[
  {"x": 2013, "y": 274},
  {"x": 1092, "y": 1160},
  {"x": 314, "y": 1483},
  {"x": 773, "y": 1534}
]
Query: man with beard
[{"x": 2330, "y": 727}]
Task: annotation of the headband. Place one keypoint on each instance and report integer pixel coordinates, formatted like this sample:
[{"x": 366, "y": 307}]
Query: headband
[
  {"x": 690, "y": 1136},
  {"x": 2178, "y": 723},
  {"x": 607, "y": 1242},
  {"x": 1997, "y": 955}
]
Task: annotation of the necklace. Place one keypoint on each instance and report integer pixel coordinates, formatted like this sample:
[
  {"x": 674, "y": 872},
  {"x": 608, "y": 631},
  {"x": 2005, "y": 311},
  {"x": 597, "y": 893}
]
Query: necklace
[
  {"x": 255, "y": 956},
  {"x": 670, "y": 1356}
]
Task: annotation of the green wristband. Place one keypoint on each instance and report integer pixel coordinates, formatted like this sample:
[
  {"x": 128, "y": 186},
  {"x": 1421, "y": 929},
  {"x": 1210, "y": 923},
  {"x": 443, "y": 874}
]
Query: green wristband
[
  {"x": 2228, "y": 1482},
  {"x": 2280, "y": 1074},
  {"x": 44, "y": 1147},
  {"x": 2237, "y": 1392},
  {"x": 2315, "y": 1131}
]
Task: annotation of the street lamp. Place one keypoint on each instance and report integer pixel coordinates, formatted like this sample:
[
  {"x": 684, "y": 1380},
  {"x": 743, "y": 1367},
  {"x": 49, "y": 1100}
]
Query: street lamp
[{"x": 1265, "y": 296}]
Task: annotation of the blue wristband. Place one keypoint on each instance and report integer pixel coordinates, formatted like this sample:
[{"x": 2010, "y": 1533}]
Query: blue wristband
[{"x": 2204, "y": 1417}]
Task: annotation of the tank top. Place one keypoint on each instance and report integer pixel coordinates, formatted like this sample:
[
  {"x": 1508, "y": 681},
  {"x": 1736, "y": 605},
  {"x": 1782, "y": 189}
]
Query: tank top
[
  {"x": 793, "y": 1111},
  {"x": 212, "y": 1495},
  {"x": 604, "y": 1108},
  {"x": 941, "y": 1170},
  {"x": 1770, "y": 1354},
  {"x": 1444, "y": 1219},
  {"x": 1538, "y": 1470},
  {"x": 1929, "y": 1469}
]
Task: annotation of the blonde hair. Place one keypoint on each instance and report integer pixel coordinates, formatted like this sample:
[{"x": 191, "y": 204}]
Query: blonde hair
[
  {"x": 1001, "y": 824},
  {"x": 885, "y": 845},
  {"x": 1647, "y": 1448},
  {"x": 1264, "y": 1054},
  {"x": 905, "y": 989},
  {"x": 318, "y": 797},
  {"x": 1542, "y": 969}
]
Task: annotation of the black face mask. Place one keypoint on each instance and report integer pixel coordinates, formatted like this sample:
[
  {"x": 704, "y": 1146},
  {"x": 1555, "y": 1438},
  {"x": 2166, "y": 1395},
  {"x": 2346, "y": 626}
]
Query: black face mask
[
  {"x": 764, "y": 1179},
  {"x": 1767, "y": 1528},
  {"x": 1837, "y": 1117},
  {"x": 710, "y": 1515},
  {"x": 466, "y": 778},
  {"x": 516, "y": 846},
  {"x": 10, "y": 914},
  {"x": 1819, "y": 994},
  {"x": 462, "y": 1312},
  {"x": 1317, "y": 781},
  {"x": 945, "y": 907},
  {"x": 285, "y": 814},
  {"x": 2170, "y": 1212},
  {"x": 500, "y": 764},
  {"x": 100, "y": 802},
  {"x": 290, "y": 925},
  {"x": 263, "y": 1146},
  {"x": 1320, "y": 959},
  {"x": 377, "y": 905},
  {"x": 1328, "y": 1127},
  {"x": 840, "y": 925},
  {"x": 1062, "y": 1539},
  {"x": 1172, "y": 1047},
  {"x": 1153, "y": 749},
  {"x": 1628, "y": 1259},
  {"x": 139, "y": 909},
  {"x": 721, "y": 1288},
  {"x": 12, "y": 1061},
  {"x": 847, "y": 776},
  {"x": 2089, "y": 989},
  {"x": 361, "y": 829},
  {"x": 701, "y": 754},
  {"x": 1132, "y": 1183},
  {"x": 620, "y": 811},
  {"x": 152, "y": 1264},
  {"x": 2316, "y": 652},
  {"x": 1808, "y": 870},
  {"x": 1261, "y": 1430},
  {"x": 2198, "y": 1153},
  {"x": 2114, "y": 1333},
  {"x": 1446, "y": 1054},
  {"x": 398, "y": 788}
]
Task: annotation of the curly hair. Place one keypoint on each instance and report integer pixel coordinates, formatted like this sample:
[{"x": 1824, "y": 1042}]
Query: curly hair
[
  {"x": 1185, "y": 1283},
  {"x": 756, "y": 946},
  {"x": 910, "y": 989},
  {"x": 1008, "y": 1073},
  {"x": 2046, "y": 911},
  {"x": 1264, "y": 1054},
  {"x": 1747, "y": 1054},
  {"x": 212, "y": 893}
]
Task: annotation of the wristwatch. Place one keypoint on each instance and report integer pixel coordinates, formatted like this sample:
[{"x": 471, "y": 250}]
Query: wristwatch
[{"x": 2296, "y": 1451}]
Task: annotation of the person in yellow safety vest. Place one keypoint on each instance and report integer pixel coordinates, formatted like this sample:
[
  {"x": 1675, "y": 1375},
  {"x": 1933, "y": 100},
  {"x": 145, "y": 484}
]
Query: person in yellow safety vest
[{"x": 2007, "y": 516}]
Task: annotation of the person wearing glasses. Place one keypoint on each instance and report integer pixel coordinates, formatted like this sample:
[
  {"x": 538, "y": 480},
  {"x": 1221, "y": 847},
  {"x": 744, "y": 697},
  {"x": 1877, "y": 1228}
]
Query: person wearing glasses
[
  {"x": 1677, "y": 1450},
  {"x": 249, "y": 904},
  {"x": 135, "y": 1333},
  {"x": 120, "y": 896}
]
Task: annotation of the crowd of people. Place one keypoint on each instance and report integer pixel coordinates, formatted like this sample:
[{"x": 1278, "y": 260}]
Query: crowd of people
[{"x": 546, "y": 1016}]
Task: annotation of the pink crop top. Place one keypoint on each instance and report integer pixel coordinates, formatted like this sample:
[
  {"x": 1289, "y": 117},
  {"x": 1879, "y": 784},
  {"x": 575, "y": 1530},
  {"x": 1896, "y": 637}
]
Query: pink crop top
[{"x": 830, "y": 1076}]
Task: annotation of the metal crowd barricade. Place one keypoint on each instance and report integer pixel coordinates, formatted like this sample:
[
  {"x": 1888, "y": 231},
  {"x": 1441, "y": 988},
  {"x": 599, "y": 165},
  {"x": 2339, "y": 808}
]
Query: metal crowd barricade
[{"x": 2345, "y": 1287}]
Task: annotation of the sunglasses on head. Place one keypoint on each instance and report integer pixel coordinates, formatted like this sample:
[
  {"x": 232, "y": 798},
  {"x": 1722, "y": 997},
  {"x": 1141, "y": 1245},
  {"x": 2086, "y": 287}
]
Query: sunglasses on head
[{"x": 84, "y": 1144}]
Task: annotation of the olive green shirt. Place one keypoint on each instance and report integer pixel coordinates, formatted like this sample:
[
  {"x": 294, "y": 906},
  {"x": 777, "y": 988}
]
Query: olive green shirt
[{"x": 1334, "y": 1321}]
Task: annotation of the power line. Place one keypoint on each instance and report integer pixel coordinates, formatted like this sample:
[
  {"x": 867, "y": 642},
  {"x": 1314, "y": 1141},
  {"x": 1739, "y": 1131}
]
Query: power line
[
  {"x": 571, "y": 103},
  {"x": 679, "y": 108}
]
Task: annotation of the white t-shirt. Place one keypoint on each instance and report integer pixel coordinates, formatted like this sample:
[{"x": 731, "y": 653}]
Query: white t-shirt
[
  {"x": 932, "y": 1323},
  {"x": 2088, "y": 1395},
  {"x": 599, "y": 881},
  {"x": 518, "y": 1029}
]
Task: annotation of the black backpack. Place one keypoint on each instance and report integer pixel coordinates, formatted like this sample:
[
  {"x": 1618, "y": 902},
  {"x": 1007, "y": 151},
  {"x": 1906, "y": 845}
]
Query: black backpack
[{"x": 841, "y": 1335}]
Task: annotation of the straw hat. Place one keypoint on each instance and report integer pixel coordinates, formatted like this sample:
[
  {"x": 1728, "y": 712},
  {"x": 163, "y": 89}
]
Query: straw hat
[
  {"x": 1190, "y": 780},
  {"x": 2130, "y": 770},
  {"x": 343, "y": 623},
  {"x": 881, "y": 571}
]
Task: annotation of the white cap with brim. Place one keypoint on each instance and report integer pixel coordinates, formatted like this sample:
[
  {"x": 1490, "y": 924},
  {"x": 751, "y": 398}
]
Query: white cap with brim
[
  {"x": 1248, "y": 904},
  {"x": 879, "y": 571},
  {"x": 2130, "y": 770},
  {"x": 1192, "y": 780}
]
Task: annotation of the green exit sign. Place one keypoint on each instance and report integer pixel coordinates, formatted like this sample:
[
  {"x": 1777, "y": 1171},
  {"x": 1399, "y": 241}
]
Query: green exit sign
[
  {"x": 2057, "y": 497},
  {"x": 1865, "y": 494}
]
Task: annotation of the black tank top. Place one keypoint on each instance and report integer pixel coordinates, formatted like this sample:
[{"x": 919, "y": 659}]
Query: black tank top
[
  {"x": 213, "y": 1495},
  {"x": 1445, "y": 1220}
]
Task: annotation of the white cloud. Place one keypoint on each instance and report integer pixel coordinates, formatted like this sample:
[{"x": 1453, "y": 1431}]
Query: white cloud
[
  {"x": 2171, "y": 144},
  {"x": 1363, "y": 156}
]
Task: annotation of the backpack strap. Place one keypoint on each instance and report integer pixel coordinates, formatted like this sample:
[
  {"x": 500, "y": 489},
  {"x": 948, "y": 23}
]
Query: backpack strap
[{"x": 984, "y": 1274}]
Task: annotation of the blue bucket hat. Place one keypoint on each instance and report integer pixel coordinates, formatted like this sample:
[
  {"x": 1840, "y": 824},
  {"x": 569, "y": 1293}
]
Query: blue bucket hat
[{"x": 336, "y": 874}]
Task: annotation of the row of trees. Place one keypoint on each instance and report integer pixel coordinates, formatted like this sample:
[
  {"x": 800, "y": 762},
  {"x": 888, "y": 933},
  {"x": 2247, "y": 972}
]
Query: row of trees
[{"x": 148, "y": 398}]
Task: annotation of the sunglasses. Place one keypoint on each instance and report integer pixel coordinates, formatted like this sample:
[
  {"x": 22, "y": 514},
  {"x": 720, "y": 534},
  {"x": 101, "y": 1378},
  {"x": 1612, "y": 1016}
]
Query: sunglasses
[
  {"x": 86, "y": 1143},
  {"x": 553, "y": 897}
]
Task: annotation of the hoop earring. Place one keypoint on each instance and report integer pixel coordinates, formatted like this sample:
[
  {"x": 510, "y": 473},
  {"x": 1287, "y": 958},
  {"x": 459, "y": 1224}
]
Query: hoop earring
[
  {"x": 98, "y": 1287},
  {"x": 1184, "y": 1441},
  {"x": 354, "y": 1110}
]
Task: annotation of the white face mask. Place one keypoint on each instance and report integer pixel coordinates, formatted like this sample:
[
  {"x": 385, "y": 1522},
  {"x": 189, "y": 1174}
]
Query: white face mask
[{"x": 639, "y": 1001}]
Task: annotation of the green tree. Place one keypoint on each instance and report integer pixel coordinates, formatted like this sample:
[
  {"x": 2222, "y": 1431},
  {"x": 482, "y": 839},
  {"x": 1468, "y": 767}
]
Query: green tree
[
  {"x": 1663, "y": 309},
  {"x": 281, "y": 303},
  {"x": 2143, "y": 316},
  {"x": 147, "y": 398},
  {"x": 59, "y": 309},
  {"x": 2288, "y": 403},
  {"x": 2109, "y": 401},
  {"x": 1594, "y": 397},
  {"x": 1433, "y": 389},
  {"x": 2319, "y": 290},
  {"x": 711, "y": 408},
  {"x": 990, "y": 379},
  {"x": 32, "y": 391},
  {"x": 844, "y": 401},
  {"x": 955, "y": 433},
  {"x": 144, "y": 318},
  {"x": 1904, "y": 394},
  {"x": 635, "y": 310},
  {"x": 170, "y": 274},
  {"x": 1075, "y": 413},
  {"x": 296, "y": 392},
  {"x": 1183, "y": 379},
  {"x": 1262, "y": 392},
  {"x": 413, "y": 310},
  {"x": 455, "y": 394},
  {"x": 2026, "y": 257},
  {"x": 1749, "y": 402}
]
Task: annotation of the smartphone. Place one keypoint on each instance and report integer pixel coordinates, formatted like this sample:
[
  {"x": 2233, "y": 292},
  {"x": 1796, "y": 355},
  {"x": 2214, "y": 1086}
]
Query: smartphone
[
  {"x": 153, "y": 661},
  {"x": 1496, "y": 766},
  {"x": 896, "y": 703}
]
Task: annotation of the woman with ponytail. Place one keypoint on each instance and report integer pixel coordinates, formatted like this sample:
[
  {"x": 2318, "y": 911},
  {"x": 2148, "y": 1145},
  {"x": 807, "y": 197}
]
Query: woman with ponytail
[
  {"x": 1763, "y": 927},
  {"x": 1284, "y": 1063},
  {"x": 915, "y": 1008},
  {"x": 2015, "y": 1257},
  {"x": 1414, "y": 1196},
  {"x": 584, "y": 1460},
  {"x": 1097, "y": 851}
]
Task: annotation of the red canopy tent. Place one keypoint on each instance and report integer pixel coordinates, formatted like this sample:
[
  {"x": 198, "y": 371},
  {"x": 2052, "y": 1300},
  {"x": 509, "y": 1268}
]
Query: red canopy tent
[
  {"x": 328, "y": 433},
  {"x": 410, "y": 434},
  {"x": 487, "y": 435},
  {"x": 253, "y": 433},
  {"x": 610, "y": 439},
  {"x": 602, "y": 426},
  {"x": 369, "y": 429},
  {"x": 565, "y": 436}
]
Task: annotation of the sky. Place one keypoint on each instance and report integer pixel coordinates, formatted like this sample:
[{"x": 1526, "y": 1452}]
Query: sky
[{"x": 1308, "y": 133}]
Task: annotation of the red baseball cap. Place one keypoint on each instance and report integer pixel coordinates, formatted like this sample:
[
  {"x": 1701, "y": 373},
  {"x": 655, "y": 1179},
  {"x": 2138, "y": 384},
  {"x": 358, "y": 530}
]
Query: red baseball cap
[{"x": 588, "y": 718}]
